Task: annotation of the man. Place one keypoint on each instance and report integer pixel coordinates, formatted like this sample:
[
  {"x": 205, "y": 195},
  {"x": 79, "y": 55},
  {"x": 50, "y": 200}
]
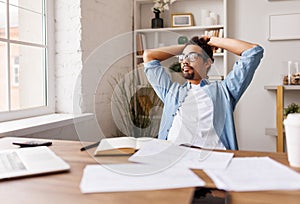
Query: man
[{"x": 198, "y": 112}]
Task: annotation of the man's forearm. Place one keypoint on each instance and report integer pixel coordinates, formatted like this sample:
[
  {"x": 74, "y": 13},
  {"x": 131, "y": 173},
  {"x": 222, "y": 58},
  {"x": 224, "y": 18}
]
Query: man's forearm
[
  {"x": 162, "y": 53},
  {"x": 232, "y": 45}
]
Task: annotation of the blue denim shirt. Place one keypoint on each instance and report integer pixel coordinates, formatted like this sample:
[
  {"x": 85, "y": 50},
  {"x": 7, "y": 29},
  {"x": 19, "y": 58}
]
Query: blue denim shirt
[{"x": 224, "y": 94}]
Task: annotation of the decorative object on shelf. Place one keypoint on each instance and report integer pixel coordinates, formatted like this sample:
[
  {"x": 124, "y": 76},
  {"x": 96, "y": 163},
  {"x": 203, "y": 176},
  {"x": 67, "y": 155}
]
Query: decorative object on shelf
[
  {"x": 162, "y": 5},
  {"x": 159, "y": 7},
  {"x": 157, "y": 22},
  {"x": 209, "y": 18},
  {"x": 293, "y": 77},
  {"x": 292, "y": 108},
  {"x": 182, "y": 40},
  {"x": 182, "y": 20}
]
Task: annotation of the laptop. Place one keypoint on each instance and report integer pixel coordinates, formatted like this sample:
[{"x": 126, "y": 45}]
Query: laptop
[{"x": 30, "y": 161}]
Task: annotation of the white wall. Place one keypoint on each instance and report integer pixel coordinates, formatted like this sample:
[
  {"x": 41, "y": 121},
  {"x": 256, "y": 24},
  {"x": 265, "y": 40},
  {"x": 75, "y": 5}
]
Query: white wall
[
  {"x": 82, "y": 26},
  {"x": 68, "y": 55},
  {"x": 248, "y": 20},
  {"x": 107, "y": 48},
  {"x": 102, "y": 19}
]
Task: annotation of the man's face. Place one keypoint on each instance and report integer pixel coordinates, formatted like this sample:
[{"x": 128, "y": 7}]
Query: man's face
[{"x": 193, "y": 65}]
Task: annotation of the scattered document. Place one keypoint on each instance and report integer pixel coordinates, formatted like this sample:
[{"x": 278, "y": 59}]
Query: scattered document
[
  {"x": 255, "y": 174},
  {"x": 132, "y": 177},
  {"x": 164, "y": 153}
]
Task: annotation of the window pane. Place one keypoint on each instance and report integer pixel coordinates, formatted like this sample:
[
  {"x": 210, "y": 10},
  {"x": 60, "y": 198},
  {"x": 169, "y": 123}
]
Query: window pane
[
  {"x": 3, "y": 77},
  {"x": 27, "y": 77},
  {"x": 2, "y": 20},
  {"x": 33, "y": 5},
  {"x": 25, "y": 25}
]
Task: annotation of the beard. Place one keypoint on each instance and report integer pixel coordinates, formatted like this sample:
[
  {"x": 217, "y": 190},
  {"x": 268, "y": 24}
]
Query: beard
[{"x": 188, "y": 75}]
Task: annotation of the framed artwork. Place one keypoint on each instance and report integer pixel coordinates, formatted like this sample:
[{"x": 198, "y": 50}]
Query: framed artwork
[
  {"x": 182, "y": 20},
  {"x": 284, "y": 27}
]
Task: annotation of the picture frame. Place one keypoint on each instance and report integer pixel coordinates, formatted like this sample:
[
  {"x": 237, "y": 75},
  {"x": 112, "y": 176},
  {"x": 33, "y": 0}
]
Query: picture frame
[
  {"x": 283, "y": 27},
  {"x": 182, "y": 20}
]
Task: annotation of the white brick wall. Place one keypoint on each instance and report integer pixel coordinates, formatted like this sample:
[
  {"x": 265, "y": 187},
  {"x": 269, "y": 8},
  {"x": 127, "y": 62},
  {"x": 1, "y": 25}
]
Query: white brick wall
[
  {"x": 81, "y": 27},
  {"x": 68, "y": 51}
]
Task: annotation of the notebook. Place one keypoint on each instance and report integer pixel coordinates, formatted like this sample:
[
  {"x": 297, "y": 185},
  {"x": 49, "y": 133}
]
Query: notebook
[{"x": 30, "y": 161}]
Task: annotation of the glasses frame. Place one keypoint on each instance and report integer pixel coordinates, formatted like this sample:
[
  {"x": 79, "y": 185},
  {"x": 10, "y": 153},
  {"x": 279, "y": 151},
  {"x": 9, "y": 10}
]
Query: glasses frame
[{"x": 189, "y": 57}]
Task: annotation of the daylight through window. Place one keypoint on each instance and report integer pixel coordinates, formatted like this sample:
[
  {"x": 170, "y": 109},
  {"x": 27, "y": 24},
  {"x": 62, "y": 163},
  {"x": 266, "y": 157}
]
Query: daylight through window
[{"x": 23, "y": 54}]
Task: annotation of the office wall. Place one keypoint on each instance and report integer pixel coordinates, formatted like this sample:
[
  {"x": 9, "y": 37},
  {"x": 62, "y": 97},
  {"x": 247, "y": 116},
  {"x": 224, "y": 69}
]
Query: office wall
[
  {"x": 248, "y": 20},
  {"x": 107, "y": 44},
  {"x": 68, "y": 54}
]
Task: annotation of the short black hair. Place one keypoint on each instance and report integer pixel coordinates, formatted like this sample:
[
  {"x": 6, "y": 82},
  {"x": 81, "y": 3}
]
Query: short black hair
[{"x": 201, "y": 42}]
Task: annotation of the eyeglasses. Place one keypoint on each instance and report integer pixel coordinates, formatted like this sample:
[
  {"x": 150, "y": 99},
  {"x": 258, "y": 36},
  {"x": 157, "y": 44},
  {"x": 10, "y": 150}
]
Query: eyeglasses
[{"x": 191, "y": 57}]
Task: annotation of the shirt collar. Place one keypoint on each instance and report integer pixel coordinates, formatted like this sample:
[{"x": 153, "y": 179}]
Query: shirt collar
[{"x": 204, "y": 82}]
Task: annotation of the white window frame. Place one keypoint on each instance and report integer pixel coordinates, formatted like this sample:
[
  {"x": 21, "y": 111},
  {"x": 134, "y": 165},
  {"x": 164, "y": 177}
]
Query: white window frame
[{"x": 50, "y": 79}]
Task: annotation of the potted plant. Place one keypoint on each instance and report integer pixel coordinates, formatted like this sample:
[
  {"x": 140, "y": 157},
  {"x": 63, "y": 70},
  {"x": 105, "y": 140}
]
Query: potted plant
[
  {"x": 292, "y": 108},
  {"x": 135, "y": 109}
]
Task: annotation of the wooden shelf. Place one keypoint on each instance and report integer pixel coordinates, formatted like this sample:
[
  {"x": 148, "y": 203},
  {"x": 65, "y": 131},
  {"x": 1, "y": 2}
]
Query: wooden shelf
[
  {"x": 272, "y": 132},
  {"x": 191, "y": 28},
  {"x": 148, "y": 38},
  {"x": 279, "y": 112},
  {"x": 286, "y": 87}
]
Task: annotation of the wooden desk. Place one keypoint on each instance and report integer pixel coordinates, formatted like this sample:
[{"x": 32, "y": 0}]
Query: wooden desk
[{"x": 64, "y": 187}]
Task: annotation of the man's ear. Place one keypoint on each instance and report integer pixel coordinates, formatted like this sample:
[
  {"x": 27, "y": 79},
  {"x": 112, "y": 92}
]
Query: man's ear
[{"x": 208, "y": 63}]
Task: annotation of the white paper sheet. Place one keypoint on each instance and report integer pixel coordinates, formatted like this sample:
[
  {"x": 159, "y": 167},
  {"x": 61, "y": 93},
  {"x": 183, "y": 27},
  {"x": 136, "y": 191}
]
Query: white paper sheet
[
  {"x": 131, "y": 177},
  {"x": 162, "y": 153},
  {"x": 255, "y": 174}
]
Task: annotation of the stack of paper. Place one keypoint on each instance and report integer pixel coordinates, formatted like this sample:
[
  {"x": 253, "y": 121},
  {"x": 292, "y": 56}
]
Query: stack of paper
[
  {"x": 159, "y": 163},
  {"x": 135, "y": 177},
  {"x": 163, "y": 165},
  {"x": 255, "y": 174},
  {"x": 162, "y": 154}
]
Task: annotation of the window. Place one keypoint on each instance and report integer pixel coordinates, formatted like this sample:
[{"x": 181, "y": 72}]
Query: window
[
  {"x": 15, "y": 72},
  {"x": 25, "y": 46}
]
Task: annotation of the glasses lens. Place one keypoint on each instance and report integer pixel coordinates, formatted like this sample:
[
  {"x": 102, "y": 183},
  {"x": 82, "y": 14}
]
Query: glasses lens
[
  {"x": 193, "y": 56},
  {"x": 180, "y": 57}
]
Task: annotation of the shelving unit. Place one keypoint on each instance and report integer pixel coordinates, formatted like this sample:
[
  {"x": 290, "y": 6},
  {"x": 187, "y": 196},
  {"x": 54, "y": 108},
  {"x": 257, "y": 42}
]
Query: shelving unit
[
  {"x": 146, "y": 38},
  {"x": 279, "y": 113},
  {"x": 153, "y": 38}
]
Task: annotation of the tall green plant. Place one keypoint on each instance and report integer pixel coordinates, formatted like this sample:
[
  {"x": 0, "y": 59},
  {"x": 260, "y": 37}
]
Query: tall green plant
[{"x": 135, "y": 109}]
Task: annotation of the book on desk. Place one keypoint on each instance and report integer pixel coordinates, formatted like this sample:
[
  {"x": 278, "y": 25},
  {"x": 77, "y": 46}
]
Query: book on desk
[{"x": 120, "y": 145}]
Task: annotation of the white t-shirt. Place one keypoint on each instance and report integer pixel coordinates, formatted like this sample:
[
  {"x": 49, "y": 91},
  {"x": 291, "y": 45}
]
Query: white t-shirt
[{"x": 193, "y": 121}]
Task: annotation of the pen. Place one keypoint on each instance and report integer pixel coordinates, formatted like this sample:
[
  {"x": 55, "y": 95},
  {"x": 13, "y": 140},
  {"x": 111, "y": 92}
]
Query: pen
[
  {"x": 90, "y": 146},
  {"x": 113, "y": 155},
  {"x": 191, "y": 146}
]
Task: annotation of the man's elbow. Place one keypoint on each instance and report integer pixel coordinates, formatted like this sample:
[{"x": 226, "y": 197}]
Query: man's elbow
[{"x": 147, "y": 56}]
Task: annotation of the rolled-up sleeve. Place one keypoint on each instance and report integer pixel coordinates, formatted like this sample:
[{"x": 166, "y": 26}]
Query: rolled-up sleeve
[
  {"x": 242, "y": 73},
  {"x": 158, "y": 78}
]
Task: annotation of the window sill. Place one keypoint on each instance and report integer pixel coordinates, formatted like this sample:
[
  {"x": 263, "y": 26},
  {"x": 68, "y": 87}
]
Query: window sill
[{"x": 41, "y": 123}]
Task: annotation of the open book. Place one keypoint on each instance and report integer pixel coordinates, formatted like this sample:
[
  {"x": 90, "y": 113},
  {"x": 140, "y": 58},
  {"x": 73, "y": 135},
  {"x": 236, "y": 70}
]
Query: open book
[{"x": 121, "y": 145}]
